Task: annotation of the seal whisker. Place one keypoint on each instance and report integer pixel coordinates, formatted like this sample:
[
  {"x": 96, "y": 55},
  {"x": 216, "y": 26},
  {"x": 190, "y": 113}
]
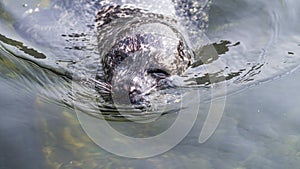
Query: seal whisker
[
  {"x": 103, "y": 85},
  {"x": 149, "y": 90}
]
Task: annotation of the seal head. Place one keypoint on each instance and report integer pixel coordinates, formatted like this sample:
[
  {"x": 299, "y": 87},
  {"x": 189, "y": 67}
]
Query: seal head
[{"x": 142, "y": 58}]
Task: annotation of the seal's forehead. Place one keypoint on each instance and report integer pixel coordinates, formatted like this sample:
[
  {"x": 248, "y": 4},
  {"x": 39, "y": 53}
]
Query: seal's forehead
[
  {"x": 147, "y": 42},
  {"x": 156, "y": 36},
  {"x": 158, "y": 29}
]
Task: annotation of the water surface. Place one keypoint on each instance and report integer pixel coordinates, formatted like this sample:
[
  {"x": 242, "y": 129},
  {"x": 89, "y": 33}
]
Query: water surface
[{"x": 256, "y": 42}]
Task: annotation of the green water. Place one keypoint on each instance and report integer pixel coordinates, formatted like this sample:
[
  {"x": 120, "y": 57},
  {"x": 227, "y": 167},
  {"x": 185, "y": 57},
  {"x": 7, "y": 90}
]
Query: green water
[{"x": 260, "y": 124}]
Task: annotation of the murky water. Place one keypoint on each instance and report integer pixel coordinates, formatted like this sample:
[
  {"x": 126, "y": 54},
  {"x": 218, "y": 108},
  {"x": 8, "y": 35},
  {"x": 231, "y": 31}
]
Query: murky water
[{"x": 255, "y": 41}]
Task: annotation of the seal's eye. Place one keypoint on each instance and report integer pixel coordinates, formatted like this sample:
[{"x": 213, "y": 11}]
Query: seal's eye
[
  {"x": 119, "y": 57},
  {"x": 158, "y": 73}
]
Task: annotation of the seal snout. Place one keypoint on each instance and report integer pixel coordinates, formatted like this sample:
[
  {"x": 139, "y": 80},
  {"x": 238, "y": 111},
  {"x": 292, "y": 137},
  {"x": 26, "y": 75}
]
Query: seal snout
[
  {"x": 142, "y": 86},
  {"x": 137, "y": 98}
]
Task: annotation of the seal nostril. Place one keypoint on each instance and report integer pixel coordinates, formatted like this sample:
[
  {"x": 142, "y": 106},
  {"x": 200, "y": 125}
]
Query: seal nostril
[
  {"x": 137, "y": 98},
  {"x": 134, "y": 92}
]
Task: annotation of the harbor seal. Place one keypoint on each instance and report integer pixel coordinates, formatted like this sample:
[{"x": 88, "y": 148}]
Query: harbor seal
[
  {"x": 142, "y": 59},
  {"x": 141, "y": 44}
]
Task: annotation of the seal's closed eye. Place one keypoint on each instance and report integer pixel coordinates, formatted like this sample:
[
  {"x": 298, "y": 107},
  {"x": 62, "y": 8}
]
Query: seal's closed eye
[{"x": 158, "y": 73}]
